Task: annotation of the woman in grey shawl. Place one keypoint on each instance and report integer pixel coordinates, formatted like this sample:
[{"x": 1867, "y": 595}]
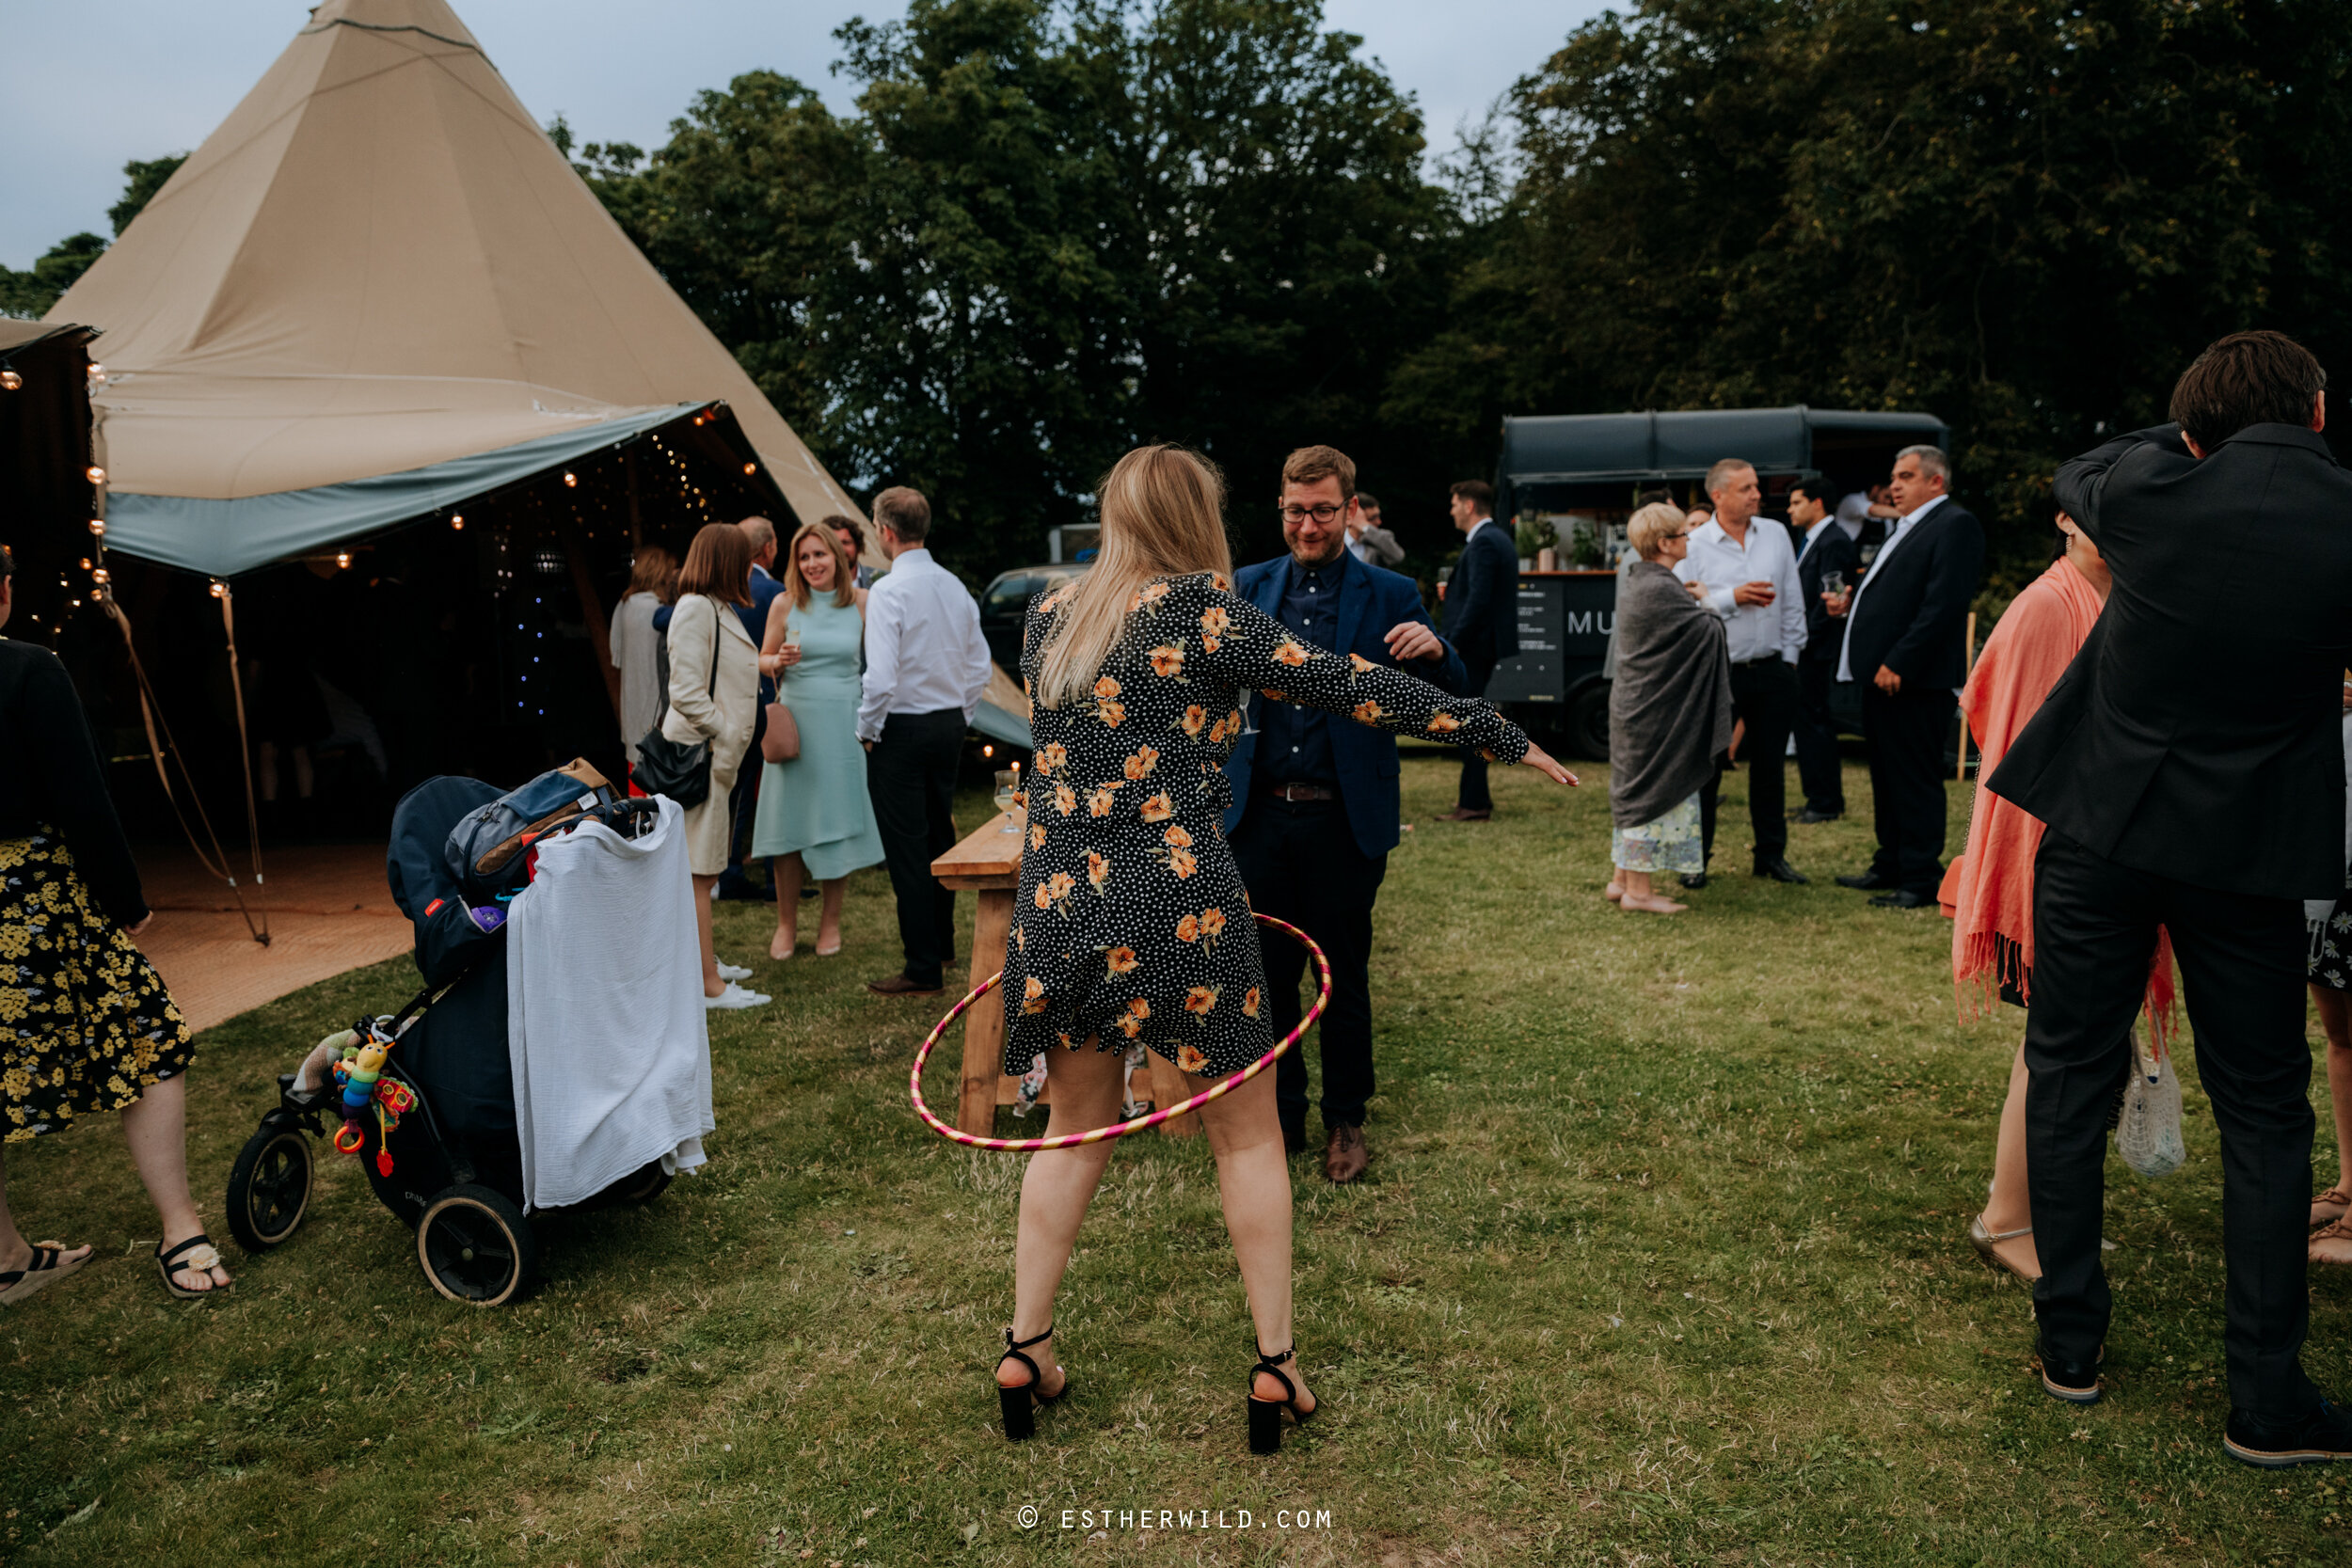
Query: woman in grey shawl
[{"x": 1669, "y": 714}]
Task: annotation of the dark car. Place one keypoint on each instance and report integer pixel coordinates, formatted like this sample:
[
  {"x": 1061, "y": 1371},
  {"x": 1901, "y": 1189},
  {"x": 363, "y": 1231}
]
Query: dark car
[{"x": 1007, "y": 602}]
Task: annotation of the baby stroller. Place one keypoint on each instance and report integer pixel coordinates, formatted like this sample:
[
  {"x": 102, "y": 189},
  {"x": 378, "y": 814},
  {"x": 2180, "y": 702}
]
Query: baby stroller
[{"x": 425, "y": 1096}]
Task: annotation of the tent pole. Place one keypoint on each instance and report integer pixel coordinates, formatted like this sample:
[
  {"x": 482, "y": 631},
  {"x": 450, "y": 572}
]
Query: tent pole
[{"x": 600, "y": 630}]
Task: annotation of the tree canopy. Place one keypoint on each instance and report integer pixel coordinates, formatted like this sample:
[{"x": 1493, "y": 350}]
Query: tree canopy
[{"x": 1051, "y": 228}]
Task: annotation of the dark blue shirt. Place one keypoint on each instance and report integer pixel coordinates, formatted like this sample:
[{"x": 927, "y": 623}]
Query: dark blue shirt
[{"x": 1294, "y": 743}]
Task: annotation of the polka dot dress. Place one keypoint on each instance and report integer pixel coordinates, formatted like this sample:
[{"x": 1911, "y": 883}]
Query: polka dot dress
[{"x": 1131, "y": 924}]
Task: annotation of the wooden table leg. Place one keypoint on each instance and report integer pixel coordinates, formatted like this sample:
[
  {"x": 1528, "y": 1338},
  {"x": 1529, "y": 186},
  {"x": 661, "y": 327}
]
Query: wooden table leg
[{"x": 984, "y": 1025}]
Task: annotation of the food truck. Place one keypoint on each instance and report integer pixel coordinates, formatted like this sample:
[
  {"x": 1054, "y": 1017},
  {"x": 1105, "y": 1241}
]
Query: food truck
[{"x": 1582, "y": 472}]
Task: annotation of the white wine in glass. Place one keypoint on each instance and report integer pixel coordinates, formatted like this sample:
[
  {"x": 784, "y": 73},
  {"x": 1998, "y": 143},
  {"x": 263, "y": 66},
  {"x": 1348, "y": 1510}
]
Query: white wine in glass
[{"x": 1008, "y": 791}]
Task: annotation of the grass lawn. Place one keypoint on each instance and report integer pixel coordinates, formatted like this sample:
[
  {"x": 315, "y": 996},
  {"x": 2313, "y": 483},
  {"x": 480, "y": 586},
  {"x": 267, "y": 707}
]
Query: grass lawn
[{"x": 1661, "y": 1259}]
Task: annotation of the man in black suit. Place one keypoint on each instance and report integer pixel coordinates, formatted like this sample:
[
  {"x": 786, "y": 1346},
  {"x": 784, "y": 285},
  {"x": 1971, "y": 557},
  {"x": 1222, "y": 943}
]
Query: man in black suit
[
  {"x": 1904, "y": 626},
  {"x": 2190, "y": 767},
  {"x": 1482, "y": 621},
  {"x": 1823, "y": 548}
]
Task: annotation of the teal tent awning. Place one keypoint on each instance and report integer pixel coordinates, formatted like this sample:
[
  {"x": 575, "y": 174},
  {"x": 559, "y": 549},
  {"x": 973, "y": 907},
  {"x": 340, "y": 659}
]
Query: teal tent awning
[{"x": 222, "y": 538}]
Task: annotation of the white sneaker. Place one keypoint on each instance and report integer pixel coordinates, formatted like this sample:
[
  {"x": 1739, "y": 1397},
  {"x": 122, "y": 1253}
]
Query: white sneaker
[
  {"x": 733, "y": 971},
  {"x": 734, "y": 997}
]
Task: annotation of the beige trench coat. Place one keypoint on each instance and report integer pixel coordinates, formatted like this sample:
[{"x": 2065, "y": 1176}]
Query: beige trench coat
[{"x": 724, "y": 713}]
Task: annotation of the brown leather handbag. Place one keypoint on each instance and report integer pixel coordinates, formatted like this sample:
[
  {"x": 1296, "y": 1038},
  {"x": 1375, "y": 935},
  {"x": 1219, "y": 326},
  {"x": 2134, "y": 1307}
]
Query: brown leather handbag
[{"x": 781, "y": 740}]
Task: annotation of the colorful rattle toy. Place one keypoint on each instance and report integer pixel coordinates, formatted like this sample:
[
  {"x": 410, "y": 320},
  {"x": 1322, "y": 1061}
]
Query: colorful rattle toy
[
  {"x": 361, "y": 1073},
  {"x": 1117, "y": 1129}
]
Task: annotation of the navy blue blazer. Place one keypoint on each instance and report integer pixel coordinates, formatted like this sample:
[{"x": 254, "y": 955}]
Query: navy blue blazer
[
  {"x": 1482, "y": 601},
  {"x": 1372, "y": 600}
]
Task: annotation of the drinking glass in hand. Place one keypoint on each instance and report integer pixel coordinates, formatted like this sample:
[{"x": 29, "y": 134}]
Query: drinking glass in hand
[
  {"x": 1008, "y": 791},
  {"x": 1833, "y": 584}
]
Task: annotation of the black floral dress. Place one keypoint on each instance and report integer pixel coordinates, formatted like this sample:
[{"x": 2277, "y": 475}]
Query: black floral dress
[
  {"x": 1131, "y": 923},
  {"x": 86, "y": 1024}
]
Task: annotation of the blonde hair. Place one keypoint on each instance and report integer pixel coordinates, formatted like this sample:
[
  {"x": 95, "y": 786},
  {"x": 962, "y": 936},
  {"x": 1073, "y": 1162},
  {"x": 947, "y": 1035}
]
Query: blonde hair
[
  {"x": 1163, "y": 516},
  {"x": 844, "y": 585},
  {"x": 1647, "y": 528}
]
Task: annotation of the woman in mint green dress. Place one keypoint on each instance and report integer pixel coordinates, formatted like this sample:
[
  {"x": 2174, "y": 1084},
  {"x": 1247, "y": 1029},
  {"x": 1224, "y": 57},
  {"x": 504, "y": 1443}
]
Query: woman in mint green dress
[{"x": 814, "y": 818}]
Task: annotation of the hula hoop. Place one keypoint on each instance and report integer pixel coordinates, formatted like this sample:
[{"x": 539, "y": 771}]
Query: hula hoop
[{"x": 1117, "y": 1129}]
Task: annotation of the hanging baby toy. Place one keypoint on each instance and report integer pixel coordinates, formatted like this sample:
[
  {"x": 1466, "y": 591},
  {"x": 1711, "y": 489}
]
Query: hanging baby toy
[{"x": 360, "y": 1072}]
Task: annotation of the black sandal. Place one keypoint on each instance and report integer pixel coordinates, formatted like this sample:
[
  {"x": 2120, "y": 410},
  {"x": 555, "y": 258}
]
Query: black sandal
[
  {"x": 201, "y": 1257},
  {"x": 47, "y": 1266},
  {"x": 1265, "y": 1415},
  {"x": 1019, "y": 1403}
]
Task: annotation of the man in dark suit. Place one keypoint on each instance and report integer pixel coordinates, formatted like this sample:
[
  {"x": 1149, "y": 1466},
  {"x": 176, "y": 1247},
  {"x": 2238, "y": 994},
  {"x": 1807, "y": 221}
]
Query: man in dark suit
[
  {"x": 1314, "y": 811},
  {"x": 1904, "y": 626},
  {"x": 1823, "y": 548},
  {"x": 1482, "y": 621},
  {"x": 2190, "y": 767}
]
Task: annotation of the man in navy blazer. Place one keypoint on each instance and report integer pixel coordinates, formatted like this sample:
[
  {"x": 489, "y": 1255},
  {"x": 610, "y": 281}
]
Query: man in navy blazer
[
  {"x": 1481, "y": 620},
  {"x": 1315, "y": 808}
]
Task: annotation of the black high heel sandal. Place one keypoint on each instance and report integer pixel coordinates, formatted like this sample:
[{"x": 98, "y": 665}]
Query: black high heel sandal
[
  {"x": 1019, "y": 1403},
  {"x": 1265, "y": 1415}
]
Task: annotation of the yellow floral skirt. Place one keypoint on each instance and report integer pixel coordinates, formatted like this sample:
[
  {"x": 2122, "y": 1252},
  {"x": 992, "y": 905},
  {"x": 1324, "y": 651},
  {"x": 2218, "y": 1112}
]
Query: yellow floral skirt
[{"x": 86, "y": 1024}]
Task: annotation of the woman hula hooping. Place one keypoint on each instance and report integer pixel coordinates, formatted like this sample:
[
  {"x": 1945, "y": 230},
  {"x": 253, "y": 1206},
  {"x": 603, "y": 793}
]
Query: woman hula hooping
[{"x": 1131, "y": 924}]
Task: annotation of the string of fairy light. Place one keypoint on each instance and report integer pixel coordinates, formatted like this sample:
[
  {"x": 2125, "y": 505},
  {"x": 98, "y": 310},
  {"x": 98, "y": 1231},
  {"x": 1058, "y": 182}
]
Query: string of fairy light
[{"x": 598, "y": 506}]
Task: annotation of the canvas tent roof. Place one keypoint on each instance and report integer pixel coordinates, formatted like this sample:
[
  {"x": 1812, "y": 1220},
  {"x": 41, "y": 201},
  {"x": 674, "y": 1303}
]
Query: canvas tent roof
[{"x": 378, "y": 282}]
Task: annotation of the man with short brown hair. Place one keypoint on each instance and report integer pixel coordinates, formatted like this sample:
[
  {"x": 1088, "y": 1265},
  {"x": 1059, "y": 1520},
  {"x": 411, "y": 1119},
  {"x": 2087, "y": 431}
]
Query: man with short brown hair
[
  {"x": 925, "y": 666},
  {"x": 1315, "y": 809},
  {"x": 1482, "y": 621},
  {"x": 2189, "y": 771}
]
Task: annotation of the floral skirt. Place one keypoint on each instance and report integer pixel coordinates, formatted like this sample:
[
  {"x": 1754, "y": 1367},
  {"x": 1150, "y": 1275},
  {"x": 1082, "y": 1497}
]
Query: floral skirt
[
  {"x": 86, "y": 1024},
  {"x": 2328, "y": 962},
  {"x": 1672, "y": 842}
]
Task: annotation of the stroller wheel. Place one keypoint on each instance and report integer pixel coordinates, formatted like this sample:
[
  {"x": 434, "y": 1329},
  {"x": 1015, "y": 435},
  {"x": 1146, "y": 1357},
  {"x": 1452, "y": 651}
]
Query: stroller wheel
[
  {"x": 476, "y": 1246},
  {"x": 269, "y": 1187}
]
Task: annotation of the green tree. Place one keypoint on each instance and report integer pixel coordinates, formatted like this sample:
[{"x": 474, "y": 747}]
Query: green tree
[
  {"x": 32, "y": 292},
  {"x": 1051, "y": 232},
  {"x": 2026, "y": 215},
  {"x": 144, "y": 179}
]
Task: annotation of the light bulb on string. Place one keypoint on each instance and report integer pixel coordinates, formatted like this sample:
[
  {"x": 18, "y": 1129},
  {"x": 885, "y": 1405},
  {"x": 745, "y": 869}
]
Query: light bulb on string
[
  {"x": 571, "y": 480},
  {"x": 101, "y": 577},
  {"x": 458, "y": 522},
  {"x": 751, "y": 467},
  {"x": 98, "y": 527},
  {"x": 85, "y": 563},
  {"x": 220, "y": 588},
  {"x": 97, "y": 372},
  {"x": 11, "y": 381},
  {"x": 342, "y": 559},
  {"x": 96, "y": 474}
]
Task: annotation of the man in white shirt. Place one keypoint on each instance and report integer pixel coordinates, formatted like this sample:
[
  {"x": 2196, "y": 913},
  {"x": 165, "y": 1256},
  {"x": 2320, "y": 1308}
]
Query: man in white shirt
[
  {"x": 925, "y": 666},
  {"x": 1748, "y": 570}
]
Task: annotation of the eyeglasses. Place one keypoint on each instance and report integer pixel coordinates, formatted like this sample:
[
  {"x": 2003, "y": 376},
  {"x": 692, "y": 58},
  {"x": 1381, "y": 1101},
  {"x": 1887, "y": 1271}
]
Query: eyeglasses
[
  {"x": 1683, "y": 535},
  {"x": 1322, "y": 513}
]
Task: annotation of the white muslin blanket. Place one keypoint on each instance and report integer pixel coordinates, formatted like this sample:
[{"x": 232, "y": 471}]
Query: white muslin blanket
[{"x": 604, "y": 1011}]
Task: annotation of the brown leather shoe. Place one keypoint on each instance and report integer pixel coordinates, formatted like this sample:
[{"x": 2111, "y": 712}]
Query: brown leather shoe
[
  {"x": 1344, "y": 1157},
  {"x": 1461, "y": 814},
  {"x": 898, "y": 985}
]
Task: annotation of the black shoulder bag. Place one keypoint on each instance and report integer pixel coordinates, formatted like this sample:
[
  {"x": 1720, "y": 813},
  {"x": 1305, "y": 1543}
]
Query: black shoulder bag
[{"x": 680, "y": 770}]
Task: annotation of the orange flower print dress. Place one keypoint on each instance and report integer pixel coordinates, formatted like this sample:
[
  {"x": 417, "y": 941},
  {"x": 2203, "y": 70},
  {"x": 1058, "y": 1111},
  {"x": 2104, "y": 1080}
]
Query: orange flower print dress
[{"x": 1132, "y": 925}]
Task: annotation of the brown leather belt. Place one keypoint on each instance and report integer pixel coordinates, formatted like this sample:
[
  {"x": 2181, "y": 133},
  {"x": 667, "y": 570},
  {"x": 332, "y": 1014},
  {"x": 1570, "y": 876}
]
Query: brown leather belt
[{"x": 1300, "y": 792}]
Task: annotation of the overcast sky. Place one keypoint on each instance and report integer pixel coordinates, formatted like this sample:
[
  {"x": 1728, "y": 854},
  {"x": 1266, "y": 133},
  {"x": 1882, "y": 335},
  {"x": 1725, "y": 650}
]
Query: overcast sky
[{"x": 92, "y": 84}]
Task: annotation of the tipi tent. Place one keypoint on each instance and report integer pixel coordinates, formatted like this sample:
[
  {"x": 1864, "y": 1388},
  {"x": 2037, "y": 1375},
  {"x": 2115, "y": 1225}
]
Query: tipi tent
[{"x": 375, "y": 290}]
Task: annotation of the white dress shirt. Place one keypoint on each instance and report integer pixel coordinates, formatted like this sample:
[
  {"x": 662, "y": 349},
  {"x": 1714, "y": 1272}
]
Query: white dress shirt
[
  {"x": 1903, "y": 526},
  {"x": 1853, "y": 512},
  {"x": 1716, "y": 560},
  {"x": 924, "y": 652}
]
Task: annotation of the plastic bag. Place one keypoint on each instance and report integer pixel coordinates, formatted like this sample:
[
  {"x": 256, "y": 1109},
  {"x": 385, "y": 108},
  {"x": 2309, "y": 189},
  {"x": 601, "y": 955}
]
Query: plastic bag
[{"x": 2149, "y": 1134}]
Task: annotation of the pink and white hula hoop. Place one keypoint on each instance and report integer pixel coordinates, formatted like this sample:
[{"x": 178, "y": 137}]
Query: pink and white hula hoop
[{"x": 1119, "y": 1129}]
